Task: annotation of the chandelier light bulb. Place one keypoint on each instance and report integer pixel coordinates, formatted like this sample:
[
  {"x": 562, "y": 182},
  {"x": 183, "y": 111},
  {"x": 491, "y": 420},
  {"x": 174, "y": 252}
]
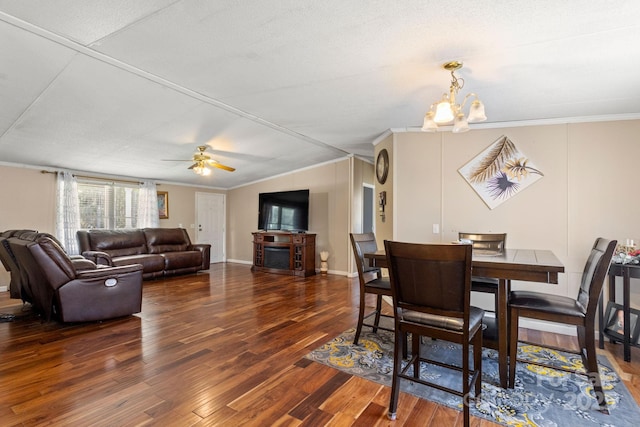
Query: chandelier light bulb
[
  {"x": 460, "y": 124},
  {"x": 476, "y": 113},
  {"x": 444, "y": 112},
  {"x": 429, "y": 125}
]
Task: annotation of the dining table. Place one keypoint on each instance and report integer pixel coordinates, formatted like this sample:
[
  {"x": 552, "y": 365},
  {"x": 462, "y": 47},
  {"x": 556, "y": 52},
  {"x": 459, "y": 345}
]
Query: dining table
[{"x": 530, "y": 265}]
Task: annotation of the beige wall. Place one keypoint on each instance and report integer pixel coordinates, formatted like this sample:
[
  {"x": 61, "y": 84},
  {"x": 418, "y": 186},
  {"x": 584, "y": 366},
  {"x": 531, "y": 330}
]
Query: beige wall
[
  {"x": 587, "y": 190},
  {"x": 329, "y": 204}
]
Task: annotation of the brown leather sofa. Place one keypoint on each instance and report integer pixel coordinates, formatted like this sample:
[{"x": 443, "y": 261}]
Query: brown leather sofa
[
  {"x": 58, "y": 289},
  {"x": 160, "y": 251}
]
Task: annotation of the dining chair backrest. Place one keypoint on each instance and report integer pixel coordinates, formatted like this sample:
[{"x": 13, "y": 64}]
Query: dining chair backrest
[
  {"x": 434, "y": 279},
  {"x": 594, "y": 273},
  {"x": 363, "y": 243},
  {"x": 486, "y": 243}
]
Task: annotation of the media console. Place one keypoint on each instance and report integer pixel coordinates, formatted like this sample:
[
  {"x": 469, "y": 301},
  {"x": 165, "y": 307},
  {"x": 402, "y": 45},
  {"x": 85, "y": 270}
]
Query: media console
[{"x": 284, "y": 253}]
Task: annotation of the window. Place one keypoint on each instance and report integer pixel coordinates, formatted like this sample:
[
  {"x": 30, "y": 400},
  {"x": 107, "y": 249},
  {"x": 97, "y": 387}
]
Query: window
[{"x": 107, "y": 205}]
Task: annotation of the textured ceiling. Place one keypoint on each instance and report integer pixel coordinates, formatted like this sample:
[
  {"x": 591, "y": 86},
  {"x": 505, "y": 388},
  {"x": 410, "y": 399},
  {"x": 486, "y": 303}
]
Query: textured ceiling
[{"x": 118, "y": 87}]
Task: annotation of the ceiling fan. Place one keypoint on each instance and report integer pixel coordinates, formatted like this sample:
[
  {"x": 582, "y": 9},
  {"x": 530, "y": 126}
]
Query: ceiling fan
[{"x": 202, "y": 160}]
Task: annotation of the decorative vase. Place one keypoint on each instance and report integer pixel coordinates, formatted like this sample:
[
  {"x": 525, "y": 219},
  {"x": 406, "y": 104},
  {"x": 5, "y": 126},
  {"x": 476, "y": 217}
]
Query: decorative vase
[{"x": 324, "y": 265}]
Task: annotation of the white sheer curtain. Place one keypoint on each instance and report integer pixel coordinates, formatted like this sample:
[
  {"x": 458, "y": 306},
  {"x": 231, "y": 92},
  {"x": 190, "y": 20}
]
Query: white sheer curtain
[
  {"x": 148, "y": 205},
  {"x": 67, "y": 211}
]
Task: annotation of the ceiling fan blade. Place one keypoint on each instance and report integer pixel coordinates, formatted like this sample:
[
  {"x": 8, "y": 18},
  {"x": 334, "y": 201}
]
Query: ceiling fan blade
[
  {"x": 192, "y": 166},
  {"x": 219, "y": 165}
]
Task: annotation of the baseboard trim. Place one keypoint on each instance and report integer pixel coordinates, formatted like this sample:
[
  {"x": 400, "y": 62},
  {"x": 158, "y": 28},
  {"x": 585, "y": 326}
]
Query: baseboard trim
[{"x": 239, "y": 261}]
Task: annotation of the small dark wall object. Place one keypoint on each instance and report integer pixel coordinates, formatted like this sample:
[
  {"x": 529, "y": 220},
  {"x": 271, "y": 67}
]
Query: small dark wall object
[{"x": 382, "y": 201}]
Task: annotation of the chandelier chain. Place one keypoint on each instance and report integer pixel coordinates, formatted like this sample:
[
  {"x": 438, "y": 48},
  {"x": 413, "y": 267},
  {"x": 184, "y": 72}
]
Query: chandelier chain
[{"x": 457, "y": 83}]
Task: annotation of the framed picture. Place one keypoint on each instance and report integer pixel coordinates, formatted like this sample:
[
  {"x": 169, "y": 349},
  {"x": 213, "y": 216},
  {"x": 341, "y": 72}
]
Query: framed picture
[
  {"x": 614, "y": 326},
  {"x": 163, "y": 204},
  {"x": 500, "y": 172}
]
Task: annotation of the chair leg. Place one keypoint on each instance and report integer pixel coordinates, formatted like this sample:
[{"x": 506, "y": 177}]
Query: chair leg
[
  {"x": 395, "y": 383},
  {"x": 415, "y": 353},
  {"x": 591, "y": 367},
  {"x": 466, "y": 386},
  {"x": 405, "y": 349},
  {"x": 360, "y": 319},
  {"x": 513, "y": 317},
  {"x": 477, "y": 362},
  {"x": 378, "y": 311}
]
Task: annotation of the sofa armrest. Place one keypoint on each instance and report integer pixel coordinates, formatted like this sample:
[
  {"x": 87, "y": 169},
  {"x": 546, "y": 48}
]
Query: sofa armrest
[
  {"x": 205, "y": 250},
  {"x": 83, "y": 264},
  {"x": 106, "y": 272},
  {"x": 103, "y": 293},
  {"x": 98, "y": 257}
]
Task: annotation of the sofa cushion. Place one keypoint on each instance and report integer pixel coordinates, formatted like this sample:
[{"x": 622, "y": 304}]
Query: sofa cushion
[
  {"x": 150, "y": 262},
  {"x": 162, "y": 240},
  {"x": 181, "y": 260},
  {"x": 118, "y": 243}
]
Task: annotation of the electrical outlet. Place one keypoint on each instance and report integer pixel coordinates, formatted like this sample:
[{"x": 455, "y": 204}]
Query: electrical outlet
[{"x": 436, "y": 228}]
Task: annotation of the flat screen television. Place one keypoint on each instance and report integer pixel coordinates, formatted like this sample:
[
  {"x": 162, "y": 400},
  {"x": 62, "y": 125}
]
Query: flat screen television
[{"x": 284, "y": 210}]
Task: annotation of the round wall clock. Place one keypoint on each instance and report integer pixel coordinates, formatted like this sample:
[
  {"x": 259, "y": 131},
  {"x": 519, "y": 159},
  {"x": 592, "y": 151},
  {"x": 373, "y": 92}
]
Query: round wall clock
[{"x": 382, "y": 166}]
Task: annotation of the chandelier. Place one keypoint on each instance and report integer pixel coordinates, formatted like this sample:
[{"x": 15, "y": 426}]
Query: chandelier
[
  {"x": 201, "y": 168},
  {"x": 446, "y": 111}
]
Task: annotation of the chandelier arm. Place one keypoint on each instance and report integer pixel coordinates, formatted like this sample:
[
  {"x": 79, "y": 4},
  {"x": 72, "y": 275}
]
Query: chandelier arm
[{"x": 469, "y": 95}]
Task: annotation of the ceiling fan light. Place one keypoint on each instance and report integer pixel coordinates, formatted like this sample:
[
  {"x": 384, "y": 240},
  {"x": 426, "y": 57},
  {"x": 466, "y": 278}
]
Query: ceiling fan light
[
  {"x": 476, "y": 113},
  {"x": 429, "y": 125},
  {"x": 444, "y": 112},
  {"x": 460, "y": 124},
  {"x": 206, "y": 171}
]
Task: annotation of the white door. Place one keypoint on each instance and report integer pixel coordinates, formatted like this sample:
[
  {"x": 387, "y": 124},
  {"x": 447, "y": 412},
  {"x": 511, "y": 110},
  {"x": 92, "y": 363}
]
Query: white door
[{"x": 210, "y": 223}]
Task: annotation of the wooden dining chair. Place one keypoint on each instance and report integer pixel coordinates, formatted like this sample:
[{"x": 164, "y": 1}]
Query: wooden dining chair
[
  {"x": 431, "y": 285},
  {"x": 580, "y": 312},
  {"x": 491, "y": 244},
  {"x": 371, "y": 282}
]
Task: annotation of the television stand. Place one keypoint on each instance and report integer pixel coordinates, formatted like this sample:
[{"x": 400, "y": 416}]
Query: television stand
[{"x": 284, "y": 252}]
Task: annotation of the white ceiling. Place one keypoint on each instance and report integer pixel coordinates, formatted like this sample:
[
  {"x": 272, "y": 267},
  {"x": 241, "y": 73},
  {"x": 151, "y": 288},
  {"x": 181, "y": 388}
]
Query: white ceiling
[{"x": 116, "y": 87}]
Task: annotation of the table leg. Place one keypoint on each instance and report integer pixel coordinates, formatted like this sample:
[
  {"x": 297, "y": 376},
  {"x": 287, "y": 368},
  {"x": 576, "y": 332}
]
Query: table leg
[
  {"x": 627, "y": 314},
  {"x": 503, "y": 331},
  {"x": 612, "y": 293},
  {"x": 603, "y": 307}
]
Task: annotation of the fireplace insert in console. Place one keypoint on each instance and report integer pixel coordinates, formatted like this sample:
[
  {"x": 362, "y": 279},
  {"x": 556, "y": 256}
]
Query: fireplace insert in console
[{"x": 275, "y": 257}]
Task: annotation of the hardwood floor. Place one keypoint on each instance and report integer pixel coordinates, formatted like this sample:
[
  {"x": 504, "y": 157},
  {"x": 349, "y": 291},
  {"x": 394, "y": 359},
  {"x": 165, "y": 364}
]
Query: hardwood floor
[{"x": 225, "y": 347}]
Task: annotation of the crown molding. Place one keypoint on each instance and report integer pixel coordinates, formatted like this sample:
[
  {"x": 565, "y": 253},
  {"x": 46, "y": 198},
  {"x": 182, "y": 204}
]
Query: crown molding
[{"x": 521, "y": 123}]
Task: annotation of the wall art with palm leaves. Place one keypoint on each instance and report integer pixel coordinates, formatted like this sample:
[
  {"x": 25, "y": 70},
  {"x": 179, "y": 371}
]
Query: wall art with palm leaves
[{"x": 500, "y": 172}]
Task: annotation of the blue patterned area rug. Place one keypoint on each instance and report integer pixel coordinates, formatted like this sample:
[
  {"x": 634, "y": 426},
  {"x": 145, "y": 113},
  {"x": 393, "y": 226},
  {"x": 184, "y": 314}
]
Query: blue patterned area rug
[{"x": 541, "y": 396}]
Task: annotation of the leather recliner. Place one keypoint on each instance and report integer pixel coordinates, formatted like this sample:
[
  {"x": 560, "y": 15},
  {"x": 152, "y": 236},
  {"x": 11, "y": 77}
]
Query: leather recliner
[
  {"x": 19, "y": 288},
  {"x": 9, "y": 262},
  {"x": 75, "y": 295}
]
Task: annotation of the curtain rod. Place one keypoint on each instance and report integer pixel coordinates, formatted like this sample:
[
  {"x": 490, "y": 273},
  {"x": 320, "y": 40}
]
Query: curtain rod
[{"x": 98, "y": 178}]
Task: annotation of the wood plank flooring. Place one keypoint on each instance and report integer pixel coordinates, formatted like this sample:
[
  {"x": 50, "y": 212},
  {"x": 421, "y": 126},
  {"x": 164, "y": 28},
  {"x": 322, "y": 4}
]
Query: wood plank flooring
[{"x": 224, "y": 347}]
